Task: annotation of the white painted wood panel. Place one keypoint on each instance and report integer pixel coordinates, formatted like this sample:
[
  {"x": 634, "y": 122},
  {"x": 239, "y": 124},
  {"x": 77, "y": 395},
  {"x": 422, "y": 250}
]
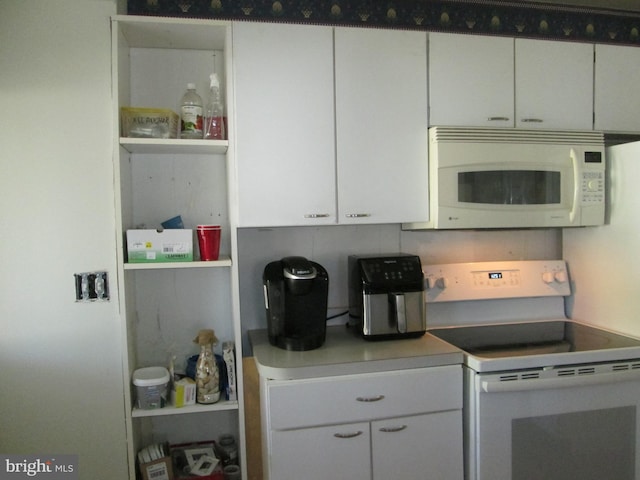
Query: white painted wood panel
[
  {"x": 318, "y": 454},
  {"x": 285, "y": 124},
  {"x": 61, "y": 360},
  {"x": 381, "y": 125},
  {"x": 616, "y": 99},
  {"x": 419, "y": 447},
  {"x": 471, "y": 80},
  {"x": 554, "y": 85}
]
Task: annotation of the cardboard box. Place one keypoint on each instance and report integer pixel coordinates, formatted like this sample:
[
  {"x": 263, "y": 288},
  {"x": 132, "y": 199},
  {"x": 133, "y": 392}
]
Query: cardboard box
[
  {"x": 148, "y": 246},
  {"x": 183, "y": 392},
  {"x": 161, "y": 469},
  {"x": 149, "y": 123}
]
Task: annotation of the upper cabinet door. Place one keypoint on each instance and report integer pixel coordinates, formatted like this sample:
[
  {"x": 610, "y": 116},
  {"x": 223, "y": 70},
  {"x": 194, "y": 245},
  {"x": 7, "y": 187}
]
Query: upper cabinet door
[
  {"x": 285, "y": 140},
  {"x": 554, "y": 84},
  {"x": 471, "y": 80},
  {"x": 617, "y": 103},
  {"x": 381, "y": 125}
]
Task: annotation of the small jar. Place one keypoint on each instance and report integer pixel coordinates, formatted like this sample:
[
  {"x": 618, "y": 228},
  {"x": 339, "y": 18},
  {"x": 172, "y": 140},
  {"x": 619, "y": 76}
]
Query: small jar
[
  {"x": 228, "y": 445},
  {"x": 207, "y": 375}
]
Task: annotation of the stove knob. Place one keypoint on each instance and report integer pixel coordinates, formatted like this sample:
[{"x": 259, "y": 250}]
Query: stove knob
[
  {"x": 431, "y": 283},
  {"x": 547, "y": 277},
  {"x": 443, "y": 282},
  {"x": 560, "y": 276}
]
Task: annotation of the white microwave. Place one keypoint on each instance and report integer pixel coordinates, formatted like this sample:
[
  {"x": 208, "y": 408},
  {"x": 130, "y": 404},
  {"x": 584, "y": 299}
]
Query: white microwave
[{"x": 511, "y": 178}]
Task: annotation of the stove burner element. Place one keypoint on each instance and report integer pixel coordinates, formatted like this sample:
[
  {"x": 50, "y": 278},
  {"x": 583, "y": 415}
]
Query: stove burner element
[
  {"x": 533, "y": 341},
  {"x": 531, "y": 338}
]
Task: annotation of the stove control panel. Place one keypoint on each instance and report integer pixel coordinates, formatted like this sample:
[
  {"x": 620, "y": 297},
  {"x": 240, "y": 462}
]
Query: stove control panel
[{"x": 489, "y": 280}]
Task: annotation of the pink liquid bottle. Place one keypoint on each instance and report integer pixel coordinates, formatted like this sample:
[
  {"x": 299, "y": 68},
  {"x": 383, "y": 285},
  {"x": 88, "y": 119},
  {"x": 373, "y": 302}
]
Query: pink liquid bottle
[{"x": 214, "y": 112}]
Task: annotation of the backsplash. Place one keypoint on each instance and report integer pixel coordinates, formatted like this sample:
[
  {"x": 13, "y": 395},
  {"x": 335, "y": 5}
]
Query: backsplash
[
  {"x": 331, "y": 246},
  {"x": 534, "y": 20}
]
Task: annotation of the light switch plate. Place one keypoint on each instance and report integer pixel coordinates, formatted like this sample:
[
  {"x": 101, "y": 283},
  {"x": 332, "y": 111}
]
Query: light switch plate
[{"x": 91, "y": 286}]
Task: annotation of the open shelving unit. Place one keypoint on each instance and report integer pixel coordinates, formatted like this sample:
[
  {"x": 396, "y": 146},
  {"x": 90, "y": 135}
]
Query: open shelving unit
[{"x": 164, "y": 305}]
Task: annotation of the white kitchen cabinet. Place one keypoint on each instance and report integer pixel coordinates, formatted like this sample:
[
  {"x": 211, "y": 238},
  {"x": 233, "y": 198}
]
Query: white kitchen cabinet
[
  {"x": 617, "y": 76},
  {"x": 164, "y": 305},
  {"x": 554, "y": 84},
  {"x": 381, "y": 125},
  {"x": 302, "y": 161},
  {"x": 506, "y": 82},
  {"x": 318, "y": 453},
  {"x": 420, "y": 447},
  {"x": 285, "y": 143},
  {"x": 471, "y": 80},
  {"x": 397, "y": 424}
]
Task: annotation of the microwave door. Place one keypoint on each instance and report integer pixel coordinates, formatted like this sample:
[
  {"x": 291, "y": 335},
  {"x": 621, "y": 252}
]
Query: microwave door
[
  {"x": 492, "y": 196},
  {"x": 513, "y": 187}
]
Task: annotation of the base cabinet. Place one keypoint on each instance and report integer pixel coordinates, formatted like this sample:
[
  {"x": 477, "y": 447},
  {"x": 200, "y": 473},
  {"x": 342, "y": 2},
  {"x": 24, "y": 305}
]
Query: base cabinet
[
  {"x": 404, "y": 424},
  {"x": 319, "y": 453},
  {"x": 420, "y": 447},
  {"x": 416, "y": 447}
]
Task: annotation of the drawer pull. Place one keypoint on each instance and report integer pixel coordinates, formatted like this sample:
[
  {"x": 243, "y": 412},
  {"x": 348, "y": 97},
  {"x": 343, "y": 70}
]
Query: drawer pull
[
  {"x": 377, "y": 398},
  {"x": 317, "y": 215},
  {"x": 498, "y": 119},
  {"x": 348, "y": 435},
  {"x": 357, "y": 215},
  {"x": 399, "y": 428}
]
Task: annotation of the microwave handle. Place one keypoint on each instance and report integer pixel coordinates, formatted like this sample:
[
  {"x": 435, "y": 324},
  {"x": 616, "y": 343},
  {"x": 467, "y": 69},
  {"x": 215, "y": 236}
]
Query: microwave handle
[{"x": 576, "y": 186}]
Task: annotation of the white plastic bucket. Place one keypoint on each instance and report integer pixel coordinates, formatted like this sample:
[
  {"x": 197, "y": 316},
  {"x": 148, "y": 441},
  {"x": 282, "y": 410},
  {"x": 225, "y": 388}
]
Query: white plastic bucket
[{"x": 151, "y": 387}]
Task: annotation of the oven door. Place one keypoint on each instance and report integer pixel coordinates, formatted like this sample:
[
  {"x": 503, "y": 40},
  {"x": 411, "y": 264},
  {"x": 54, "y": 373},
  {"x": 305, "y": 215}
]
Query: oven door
[{"x": 583, "y": 426}]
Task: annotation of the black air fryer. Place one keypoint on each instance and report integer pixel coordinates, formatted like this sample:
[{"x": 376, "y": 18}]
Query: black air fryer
[{"x": 295, "y": 292}]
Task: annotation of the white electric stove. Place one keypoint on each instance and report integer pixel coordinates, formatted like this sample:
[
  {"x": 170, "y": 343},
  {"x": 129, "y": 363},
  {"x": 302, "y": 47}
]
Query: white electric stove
[{"x": 545, "y": 397}]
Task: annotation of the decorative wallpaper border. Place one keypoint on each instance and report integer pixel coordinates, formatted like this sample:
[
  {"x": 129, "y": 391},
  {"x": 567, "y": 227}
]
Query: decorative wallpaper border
[{"x": 508, "y": 18}]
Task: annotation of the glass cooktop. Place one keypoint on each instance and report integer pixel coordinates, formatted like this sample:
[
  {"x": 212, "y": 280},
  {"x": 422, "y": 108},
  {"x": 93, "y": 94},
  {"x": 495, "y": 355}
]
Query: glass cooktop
[{"x": 513, "y": 340}]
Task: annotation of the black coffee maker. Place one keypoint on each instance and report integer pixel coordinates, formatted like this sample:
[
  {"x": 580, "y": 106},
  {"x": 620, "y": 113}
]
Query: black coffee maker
[{"x": 295, "y": 293}]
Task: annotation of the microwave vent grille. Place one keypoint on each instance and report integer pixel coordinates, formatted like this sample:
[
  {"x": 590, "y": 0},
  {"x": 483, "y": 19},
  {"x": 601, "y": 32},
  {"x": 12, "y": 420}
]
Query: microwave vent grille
[{"x": 521, "y": 136}]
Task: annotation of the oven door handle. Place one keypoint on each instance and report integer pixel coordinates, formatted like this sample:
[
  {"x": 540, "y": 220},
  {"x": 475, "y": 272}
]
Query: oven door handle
[{"x": 558, "y": 382}]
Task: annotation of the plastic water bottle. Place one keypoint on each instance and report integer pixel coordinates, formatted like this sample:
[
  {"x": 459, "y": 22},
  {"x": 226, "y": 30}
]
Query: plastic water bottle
[
  {"x": 214, "y": 112},
  {"x": 191, "y": 113}
]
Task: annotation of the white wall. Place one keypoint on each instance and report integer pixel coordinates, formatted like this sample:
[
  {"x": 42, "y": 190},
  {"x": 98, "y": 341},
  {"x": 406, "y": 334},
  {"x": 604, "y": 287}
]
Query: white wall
[
  {"x": 331, "y": 246},
  {"x": 603, "y": 262},
  {"x": 60, "y": 361}
]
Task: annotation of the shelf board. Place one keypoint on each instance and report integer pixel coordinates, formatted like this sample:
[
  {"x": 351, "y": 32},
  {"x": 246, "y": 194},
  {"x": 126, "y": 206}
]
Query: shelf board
[
  {"x": 197, "y": 408},
  {"x": 161, "y": 32},
  {"x": 222, "y": 262},
  {"x": 174, "y": 146}
]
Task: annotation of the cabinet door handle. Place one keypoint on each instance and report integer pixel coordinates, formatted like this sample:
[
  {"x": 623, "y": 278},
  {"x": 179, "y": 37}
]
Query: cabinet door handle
[
  {"x": 357, "y": 215},
  {"x": 317, "y": 215},
  {"x": 375, "y": 398},
  {"x": 498, "y": 119},
  {"x": 399, "y": 428},
  {"x": 348, "y": 434},
  {"x": 532, "y": 120}
]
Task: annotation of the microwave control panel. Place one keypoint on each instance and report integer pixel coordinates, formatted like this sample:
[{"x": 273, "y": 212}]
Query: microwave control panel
[
  {"x": 592, "y": 182},
  {"x": 592, "y": 187}
]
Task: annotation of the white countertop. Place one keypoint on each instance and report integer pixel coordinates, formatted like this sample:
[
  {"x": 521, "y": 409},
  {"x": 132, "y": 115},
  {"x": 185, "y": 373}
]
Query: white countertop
[{"x": 345, "y": 353}]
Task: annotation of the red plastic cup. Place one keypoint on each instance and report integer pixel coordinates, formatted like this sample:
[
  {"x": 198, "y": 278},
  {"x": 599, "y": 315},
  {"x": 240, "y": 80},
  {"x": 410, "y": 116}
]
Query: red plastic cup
[{"x": 209, "y": 241}]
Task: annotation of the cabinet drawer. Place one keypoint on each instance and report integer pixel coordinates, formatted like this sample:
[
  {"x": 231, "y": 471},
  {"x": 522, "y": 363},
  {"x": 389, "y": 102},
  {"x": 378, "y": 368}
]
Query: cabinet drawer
[{"x": 352, "y": 398}]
